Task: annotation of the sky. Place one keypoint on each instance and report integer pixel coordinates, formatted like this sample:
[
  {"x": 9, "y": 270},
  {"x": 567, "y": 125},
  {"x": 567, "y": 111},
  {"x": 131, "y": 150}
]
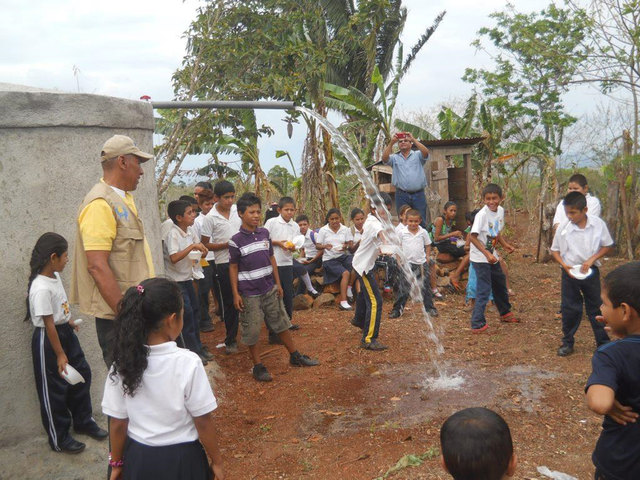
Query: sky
[{"x": 131, "y": 48}]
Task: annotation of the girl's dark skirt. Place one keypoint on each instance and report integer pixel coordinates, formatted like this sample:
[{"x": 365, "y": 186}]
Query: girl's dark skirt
[
  {"x": 450, "y": 248},
  {"x": 334, "y": 268},
  {"x": 184, "y": 461}
]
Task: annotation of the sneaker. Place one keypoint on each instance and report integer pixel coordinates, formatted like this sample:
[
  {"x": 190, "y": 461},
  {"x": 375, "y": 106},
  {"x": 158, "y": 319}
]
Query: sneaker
[
  {"x": 373, "y": 345},
  {"x": 433, "y": 312},
  {"x": 480, "y": 329},
  {"x": 436, "y": 293},
  {"x": 72, "y": 446},
  {"x": 294, "y": 327},
  {"x": 395, "y": 314},
  {"x": 261, "y": 374},
  {"x": 94, "y": 431},
  {"x": 206, "y": 353},
  {"x": 207, "y": 327},
  {"x": 509, "y": 318},
  {"x": 230, "y": 349},
  {"x": 355, "y": 323},
  {"x": 565, "y": 350},
  {"x": 299, "y": 360},
  {"x": 315, "y": 294},
  {"x": 344, "y": 306},
  {"x": 274, "y": 339}
]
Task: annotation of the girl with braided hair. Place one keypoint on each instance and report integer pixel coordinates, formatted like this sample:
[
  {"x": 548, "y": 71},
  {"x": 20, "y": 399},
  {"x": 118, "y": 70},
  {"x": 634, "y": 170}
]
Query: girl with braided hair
[
  {"x": 157, "y": 395},
  {"x": 54, "y": 347}
]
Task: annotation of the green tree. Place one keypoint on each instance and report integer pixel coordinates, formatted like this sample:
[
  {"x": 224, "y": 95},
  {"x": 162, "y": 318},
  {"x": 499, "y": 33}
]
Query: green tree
[{"x": 537, "y": 56}]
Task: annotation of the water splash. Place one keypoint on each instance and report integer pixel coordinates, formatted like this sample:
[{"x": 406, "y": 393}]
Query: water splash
[{"x": 371, "y": 189}]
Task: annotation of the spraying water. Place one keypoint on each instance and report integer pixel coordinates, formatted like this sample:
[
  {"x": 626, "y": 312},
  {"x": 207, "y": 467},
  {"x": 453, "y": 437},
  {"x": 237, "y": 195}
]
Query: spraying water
[{"x": 443, "y": 380}]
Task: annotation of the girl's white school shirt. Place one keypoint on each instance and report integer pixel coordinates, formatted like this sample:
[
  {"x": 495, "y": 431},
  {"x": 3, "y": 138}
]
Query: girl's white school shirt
[
  {"x": 174, "y": 389},
  {"x": 413, "y": 245},
  {"x": 280, "y": 230},
  {"x": 327, "y": 236},
  {"x": 47, "y": 297},
  {"x": 487, "y": 225}
]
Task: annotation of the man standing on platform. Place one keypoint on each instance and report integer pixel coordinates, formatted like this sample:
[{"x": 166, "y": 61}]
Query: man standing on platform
[
  {"x": 408, "y": 172},
  {"x": 111, "y": 252}
]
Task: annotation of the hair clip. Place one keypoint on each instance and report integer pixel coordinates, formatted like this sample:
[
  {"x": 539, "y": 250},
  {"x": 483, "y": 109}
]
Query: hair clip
[{"x": 140, "y": 289}]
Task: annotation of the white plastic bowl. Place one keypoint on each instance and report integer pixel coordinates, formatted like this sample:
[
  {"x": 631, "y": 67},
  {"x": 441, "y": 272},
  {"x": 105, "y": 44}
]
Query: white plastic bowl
[
  {"x": 575, "y": 271},
  {"x": 298, "y": 241},
  {"x": 194, "y": 255},
  {"x": 72, "y": 376}
]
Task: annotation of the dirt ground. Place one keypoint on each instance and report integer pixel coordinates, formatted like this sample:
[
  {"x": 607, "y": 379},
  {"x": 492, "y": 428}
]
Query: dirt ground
[
  {"x": 359, "y": 413},
  {"x": 363, "y": 415}
]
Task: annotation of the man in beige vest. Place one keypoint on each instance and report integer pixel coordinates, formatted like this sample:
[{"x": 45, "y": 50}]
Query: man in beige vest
[{"x": 111, "y": 252}]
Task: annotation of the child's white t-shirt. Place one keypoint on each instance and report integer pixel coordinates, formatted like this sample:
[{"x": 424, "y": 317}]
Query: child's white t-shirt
[
  {"x": 280, "y": 230},
  {"x": 336, "y": 239},
  {"x": 593, "y": 205},
  {"x": 175, "y": 241},
  {"x": 310, "y": 250},
  {"x": 174, "y": 389},
  {"x": 576, "y": 245},
  {"x": 487, "y": 225},
  {"x": 365, "y": 257},
  {"x": 413, "y": 245},
  {"x": 197, "y": 229},
  {"x": 47, "y": 297},
  {"x": 220, "y": 229}
]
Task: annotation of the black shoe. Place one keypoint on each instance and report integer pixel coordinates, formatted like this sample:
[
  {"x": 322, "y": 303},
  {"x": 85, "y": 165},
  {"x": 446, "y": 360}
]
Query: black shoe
[
  {"x": 230, "y": 349},
  {"x": 294, "y": 327},
  {"x": 205, "y": 353},
  {"x": 207, "y": 327},
  {"x": 565, "y": 350},
  {"x": 203, "y": 359},
  {"x": 261, "y": 374},
  {"x": 274, "y": 339},
  {"x": 395, "y": 314},
  {"x": 373, "y": 345},
  {"x": 299, "y": 360},
  {"x": 72, "y": 446},
  {"x": 314, "y": 295},
  {"x": 355, "y": 323},
  {"x": 94, "y": 431},
  {"x": 433, "y": 312}
]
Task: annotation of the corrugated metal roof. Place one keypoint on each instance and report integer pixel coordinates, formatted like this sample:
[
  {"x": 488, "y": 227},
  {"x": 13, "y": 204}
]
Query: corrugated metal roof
[{"x": 451, "y": 142}]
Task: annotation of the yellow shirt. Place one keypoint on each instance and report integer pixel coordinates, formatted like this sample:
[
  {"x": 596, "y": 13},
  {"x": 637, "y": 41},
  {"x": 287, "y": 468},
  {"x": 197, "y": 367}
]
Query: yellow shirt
[{"x": 98, "y": 227}]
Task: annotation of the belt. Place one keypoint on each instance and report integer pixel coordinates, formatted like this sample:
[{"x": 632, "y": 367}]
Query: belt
[{"x": 411, "y": 192}]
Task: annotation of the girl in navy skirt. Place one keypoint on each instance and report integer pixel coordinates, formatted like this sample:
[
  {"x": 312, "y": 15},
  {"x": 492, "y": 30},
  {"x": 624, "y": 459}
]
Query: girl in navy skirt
[
  {"x": 158, "y": 395},
  {"x": 54, "y": 347},
  {"x": 335, "y": 241}
]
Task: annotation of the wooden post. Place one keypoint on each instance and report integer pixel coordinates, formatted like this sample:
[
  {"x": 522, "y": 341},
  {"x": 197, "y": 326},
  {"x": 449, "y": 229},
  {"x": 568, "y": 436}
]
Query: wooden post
[{"x": 540, "y": 231}]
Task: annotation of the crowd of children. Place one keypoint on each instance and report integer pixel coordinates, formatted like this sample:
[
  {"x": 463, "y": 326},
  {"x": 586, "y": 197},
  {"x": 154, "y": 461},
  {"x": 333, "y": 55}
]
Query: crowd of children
[{"x": 218, "y": 245}]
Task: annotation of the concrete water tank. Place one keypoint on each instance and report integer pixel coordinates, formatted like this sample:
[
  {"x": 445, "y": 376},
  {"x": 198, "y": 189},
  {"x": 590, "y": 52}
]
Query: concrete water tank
[{"x": 50, "y": 146}]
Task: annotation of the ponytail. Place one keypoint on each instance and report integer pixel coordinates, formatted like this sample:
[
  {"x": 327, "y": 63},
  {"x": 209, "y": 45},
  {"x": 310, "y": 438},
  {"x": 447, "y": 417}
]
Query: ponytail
[
  {"x": 141, "y": 311},
  {"x": 48, "y": 244}
]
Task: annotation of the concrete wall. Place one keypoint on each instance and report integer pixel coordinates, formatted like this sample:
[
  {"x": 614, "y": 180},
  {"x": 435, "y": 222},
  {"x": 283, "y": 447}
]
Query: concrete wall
[{"x": 50, "y": 146}]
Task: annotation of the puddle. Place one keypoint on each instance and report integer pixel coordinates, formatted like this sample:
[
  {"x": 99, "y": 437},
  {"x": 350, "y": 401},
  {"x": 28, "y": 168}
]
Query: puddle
[{"x": 391, "y": 397}]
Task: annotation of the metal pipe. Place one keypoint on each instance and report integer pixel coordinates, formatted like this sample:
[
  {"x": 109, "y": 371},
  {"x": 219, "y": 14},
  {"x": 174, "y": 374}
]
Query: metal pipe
[{"x": 256, "y": 105}]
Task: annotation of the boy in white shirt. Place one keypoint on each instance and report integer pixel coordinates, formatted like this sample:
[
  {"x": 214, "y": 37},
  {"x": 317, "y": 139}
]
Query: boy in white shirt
[
  {"x": 582, "y": 240},
  {"x": 416, "y": 246},
  {"x": 218, "y": 226},
  {"x": 577, "y": 183},
  {"x": 369, "y": 301},
  {"x": 283, "y": 230},
  {"x": 210, "y": 282},
  {"x": 179, "y": 242},
  {"x": 485, "y": 235}
]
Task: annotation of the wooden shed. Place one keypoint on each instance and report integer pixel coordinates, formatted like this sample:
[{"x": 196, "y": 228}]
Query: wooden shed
[{"x": 445, "y": 181}]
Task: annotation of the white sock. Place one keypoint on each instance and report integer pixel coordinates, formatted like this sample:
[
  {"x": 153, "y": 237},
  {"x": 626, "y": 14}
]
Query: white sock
[
  {"x": 307, "y": 283},
  {"x": 345, "y": 304},
  {"x": 349, "y": 291}
]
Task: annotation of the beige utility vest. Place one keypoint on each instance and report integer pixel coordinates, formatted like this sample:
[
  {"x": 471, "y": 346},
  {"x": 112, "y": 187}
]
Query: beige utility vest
[{"x": 127, "y": 258}]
